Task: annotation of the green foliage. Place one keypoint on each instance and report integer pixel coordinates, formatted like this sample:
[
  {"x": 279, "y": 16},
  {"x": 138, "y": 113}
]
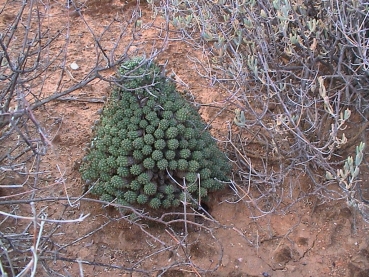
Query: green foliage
[
  {"x": 168, "y": 114},
  {"x": 150, "y": 117},
  {"x": 149, "y": 163},
  {"x": 123, "y": 171},
  {"x": 146, "y": 150},
  {"x": 130, "y": 196},
  {"x": 182, "y": 114},
  {"x": 126, "y": 144},
  {"x": 136, "y": 169},
  {"x": 143, "y": 124},
  {"x": 143, "y": 178},
  {"x": 183, "y": 144},
  {"x": 166, "y": 203},
  {"x": 137, "y": 155},
  {"x": 133, "y": 135},
  {"x": 135, "y": 185},
  {"x": 191, "y": 177},
  {"x": 124, "y": 161},
  {"x": 172, "y": 165},
  {"x": 164, "y": 124},
  {"x": 150, "y": 189},
  {"x": 117, "y": 182},
  {"x": 106, "y": 197},
  {"x": 155, "y": 203},
  {"x": 173, "y": 144},
  {"x": 170, "y": 154},
  {"x": 193, "y": 166},
  {"x": 149, "y": 139},
  {"x": 142, "y": 199},
  {"x": 144, "y": 134},
  {"x": 157, "y": 155},
  {"x": 162, "y": 164},
  {"x": 192, "y": 144},
  {"x": 185, "y": 153},
  {"x": 182, "y": 164},
  {"x": 169, "y": 189},
  {"x": 138, "y": 143},
  {"x": 159, "y": 134},
  {"x": 150, "y": 129},
  {"x": 160, "y": 144},
  {"x": 176, "y": 202},
  {"x": 205, "y": 173},
  {"x": 197, "y": 155},
  {"x": 171, "y": 133},
  {"x": 110, "y": 161}
]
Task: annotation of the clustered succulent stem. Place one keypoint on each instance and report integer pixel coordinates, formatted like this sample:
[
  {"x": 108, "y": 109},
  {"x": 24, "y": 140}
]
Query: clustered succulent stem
[{"x": 148, "y": 141}]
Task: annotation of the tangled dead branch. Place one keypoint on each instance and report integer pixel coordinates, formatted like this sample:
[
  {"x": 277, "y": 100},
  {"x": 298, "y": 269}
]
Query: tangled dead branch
[{"x": 293, "y": 73}]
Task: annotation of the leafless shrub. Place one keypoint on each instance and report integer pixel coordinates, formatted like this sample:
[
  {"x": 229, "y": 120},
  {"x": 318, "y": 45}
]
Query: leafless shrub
[
  {"x": 36, "y": 243},
  {"x": 23, "y": 248},
  {"x": 292, "y": 73},
  {"x": 37, "y": 69}
]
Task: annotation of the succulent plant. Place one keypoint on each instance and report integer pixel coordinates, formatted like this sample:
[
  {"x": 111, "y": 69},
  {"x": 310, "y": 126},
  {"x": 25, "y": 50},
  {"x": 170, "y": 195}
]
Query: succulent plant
[{"x": 147, "y": 141}]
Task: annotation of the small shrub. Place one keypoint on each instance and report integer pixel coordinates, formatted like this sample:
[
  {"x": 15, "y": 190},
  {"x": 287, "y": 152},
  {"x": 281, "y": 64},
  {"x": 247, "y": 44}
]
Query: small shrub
[{"x": 158, "y": 138}]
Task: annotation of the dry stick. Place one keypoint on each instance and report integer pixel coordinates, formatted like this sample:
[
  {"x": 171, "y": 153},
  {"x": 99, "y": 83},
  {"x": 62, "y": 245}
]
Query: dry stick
[
  {"x": 352, "y": 141},
  {"x": 185, "y": 210},
  {"x": 24, "y": 138},
  {"x": 25, "y": 192},
  {"x": 257, "y": 243},
  {"x": 173, "y": 237},
  {"x": 9, "y": 260},
  {"x": 65, "y": 188},
  {"x": 81, "y": 99},
  {"x": 57, "y": 257},
  {"x": 256, "y": 155},
  {"x": 283, "y": 238},
  {"x": 32, "y": 264},
  {"x": 192, "y": 266},
  {"x": 85, "y": 236},
  {"x": 143, "y": 216},
  {"x": 185, "y": 207},
  {"x": 3, "y": 273},
  {"x": 242, "y": 235},
  {"x": 147, "y": 233},
  {"x": 18, "y": 155},
  {"x": 80, "y": 267},
  {"x": 255, "y": 204},
  {"x": 47, "y": 238},
  {"x": 199, "y": 199},
  {"x": 36, "y": 247},
  {"x": 184, "y": 247},
  {"x": 244, "y": 194},
  {"x": 92, "y": 76},
  {"x": 152, "y": 254},
  {"x": 80, "y": 219}
]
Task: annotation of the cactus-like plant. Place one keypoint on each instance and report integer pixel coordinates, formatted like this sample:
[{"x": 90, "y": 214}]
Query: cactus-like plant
[{"x": 148, "y": 140}]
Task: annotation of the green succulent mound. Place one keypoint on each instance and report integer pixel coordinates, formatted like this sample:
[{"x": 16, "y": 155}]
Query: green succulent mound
[{"x": 150, "y": 145}]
